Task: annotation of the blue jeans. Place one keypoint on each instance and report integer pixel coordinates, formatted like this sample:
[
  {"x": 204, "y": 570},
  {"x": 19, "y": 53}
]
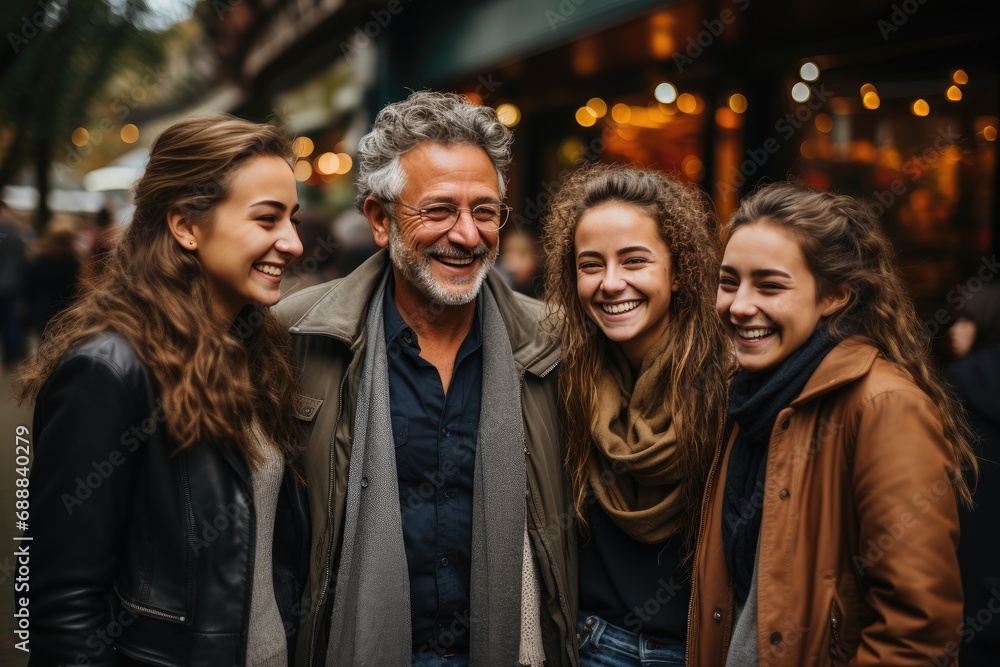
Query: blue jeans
[
  {"x": 606, "y": 645},
  {"x": 458, "y": 657}
]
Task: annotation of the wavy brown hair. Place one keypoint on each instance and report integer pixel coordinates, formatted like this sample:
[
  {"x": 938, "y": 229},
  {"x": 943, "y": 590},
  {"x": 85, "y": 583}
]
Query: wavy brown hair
[
  {"x": 697, "y": 348},
  {"x": 845, "y": 247},
  {"x": 214, "y": 377}
]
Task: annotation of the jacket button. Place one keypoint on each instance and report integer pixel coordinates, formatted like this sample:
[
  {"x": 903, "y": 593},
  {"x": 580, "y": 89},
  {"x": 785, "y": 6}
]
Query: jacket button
[
  {"x": 364, "y": 482},
  {"x": 307, "y": 411},
  {"x": 717, "y": 615},
  {"x": 783, "y": 494},
  {"x": 775, "y": 637}
]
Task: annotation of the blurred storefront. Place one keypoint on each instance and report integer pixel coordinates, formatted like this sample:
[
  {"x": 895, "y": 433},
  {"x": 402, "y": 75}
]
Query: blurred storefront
[{"x": 894, "y": 102}]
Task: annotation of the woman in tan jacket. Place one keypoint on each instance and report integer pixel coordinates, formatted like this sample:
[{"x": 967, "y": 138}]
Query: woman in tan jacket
[{"x": 830, "y": 518}]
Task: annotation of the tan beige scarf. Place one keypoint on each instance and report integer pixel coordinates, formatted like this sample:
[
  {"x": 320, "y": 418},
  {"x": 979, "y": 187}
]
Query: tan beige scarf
[{"x": 634, "y": 467}]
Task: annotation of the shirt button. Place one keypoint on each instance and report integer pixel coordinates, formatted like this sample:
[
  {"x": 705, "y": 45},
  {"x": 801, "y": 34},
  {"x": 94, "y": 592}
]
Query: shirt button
[
  {"x": 783, "y": 494},
  {"x": 717, "y": 615},
  {"x": 444, "y": 562},
  {"x": 445, "y": 432},
  {"x": 407, "y": 337},
  {"x": 775, "y": 637},
  {"x": 364, "y": 482}
]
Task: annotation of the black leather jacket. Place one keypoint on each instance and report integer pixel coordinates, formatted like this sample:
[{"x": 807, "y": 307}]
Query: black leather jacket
[{"x": 140, "y": 552}]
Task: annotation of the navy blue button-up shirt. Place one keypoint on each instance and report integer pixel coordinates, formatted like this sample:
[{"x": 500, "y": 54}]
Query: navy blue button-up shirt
[{"x": 435, "y": 437}]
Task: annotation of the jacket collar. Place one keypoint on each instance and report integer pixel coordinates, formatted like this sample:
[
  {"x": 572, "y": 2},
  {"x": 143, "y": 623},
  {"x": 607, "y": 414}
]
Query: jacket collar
[
  {"x": 342, "y": 310},
  {"x": 849, "y": 360}
]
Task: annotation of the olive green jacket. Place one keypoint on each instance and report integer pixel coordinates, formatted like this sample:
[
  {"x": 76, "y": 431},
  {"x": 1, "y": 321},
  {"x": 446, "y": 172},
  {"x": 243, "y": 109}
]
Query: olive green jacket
[{"x": 326, "y": 323}]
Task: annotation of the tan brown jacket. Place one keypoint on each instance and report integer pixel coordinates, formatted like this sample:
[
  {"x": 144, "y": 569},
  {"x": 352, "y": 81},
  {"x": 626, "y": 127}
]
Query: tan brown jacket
[{"x": 857, "y": 561}]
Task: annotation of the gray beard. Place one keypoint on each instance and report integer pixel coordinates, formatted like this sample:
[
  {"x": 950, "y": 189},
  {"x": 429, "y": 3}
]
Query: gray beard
[{"x": 417, "y": 271}]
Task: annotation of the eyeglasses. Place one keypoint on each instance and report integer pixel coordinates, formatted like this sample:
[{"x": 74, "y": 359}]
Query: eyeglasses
[{"x": 442, "y": 217}]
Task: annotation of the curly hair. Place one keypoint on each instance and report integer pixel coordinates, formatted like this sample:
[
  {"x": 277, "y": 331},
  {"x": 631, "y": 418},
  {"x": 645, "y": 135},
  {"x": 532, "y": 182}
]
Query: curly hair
[
  {"x": 698, "y": 349},
  {"x": 425, "y": 115},
  {"x": 845, "y": 247},
  {"x": 212, "y": 382}
]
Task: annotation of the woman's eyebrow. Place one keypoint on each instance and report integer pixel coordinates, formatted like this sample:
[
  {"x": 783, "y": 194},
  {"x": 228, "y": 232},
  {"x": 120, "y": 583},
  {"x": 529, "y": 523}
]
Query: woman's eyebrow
[{"x": 757, "y": 273}]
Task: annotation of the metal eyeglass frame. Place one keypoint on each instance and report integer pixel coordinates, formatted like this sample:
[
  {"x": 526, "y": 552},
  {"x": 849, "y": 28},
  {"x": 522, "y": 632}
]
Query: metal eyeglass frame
[{"x": 422, "y": 212}]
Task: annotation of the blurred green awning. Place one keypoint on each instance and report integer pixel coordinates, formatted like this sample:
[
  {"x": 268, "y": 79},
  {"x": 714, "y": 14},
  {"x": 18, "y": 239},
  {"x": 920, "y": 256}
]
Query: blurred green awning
[{"x": 480, "y": 35}]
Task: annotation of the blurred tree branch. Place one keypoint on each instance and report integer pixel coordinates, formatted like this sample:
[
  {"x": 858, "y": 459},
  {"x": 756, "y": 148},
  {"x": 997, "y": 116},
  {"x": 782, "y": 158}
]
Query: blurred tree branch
[{"x": 57, "y": 65}]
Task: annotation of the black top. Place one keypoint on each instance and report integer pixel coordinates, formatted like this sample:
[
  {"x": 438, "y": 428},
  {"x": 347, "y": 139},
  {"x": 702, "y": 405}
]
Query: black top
[
  {"x": 639, "y": 587},
  {"x": 435, "y": 437}
]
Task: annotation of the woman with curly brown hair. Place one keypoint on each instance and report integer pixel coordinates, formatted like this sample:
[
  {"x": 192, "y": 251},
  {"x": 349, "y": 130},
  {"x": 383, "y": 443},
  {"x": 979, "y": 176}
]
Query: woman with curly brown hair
[
  {"x": 630, "y": 267},
  {"x": 831, "y": 514},
  {"x": 167, "y": 525}
]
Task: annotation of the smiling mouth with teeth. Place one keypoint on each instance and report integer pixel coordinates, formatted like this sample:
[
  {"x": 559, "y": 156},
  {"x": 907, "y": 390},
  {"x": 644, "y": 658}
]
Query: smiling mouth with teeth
[
  {"x": 618, "y": 308},
  {"x": 455, "y": 261},
  {"x": 268, "y": 269},
  {"x": 754, "y": 334}
]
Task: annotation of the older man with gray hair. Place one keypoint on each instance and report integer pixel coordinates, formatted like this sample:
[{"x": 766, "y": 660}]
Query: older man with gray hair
[{"x": 441, "y": 534}]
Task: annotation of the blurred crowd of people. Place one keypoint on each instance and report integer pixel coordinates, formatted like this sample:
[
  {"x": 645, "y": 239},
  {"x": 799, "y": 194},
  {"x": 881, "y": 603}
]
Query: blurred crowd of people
[{"x": 39, "y": 273}]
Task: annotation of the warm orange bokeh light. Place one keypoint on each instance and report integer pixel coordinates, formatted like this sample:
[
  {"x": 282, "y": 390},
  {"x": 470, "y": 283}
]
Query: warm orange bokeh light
[
  {"x": 129, "y": 133},
  {"x": 303, "y": 147},
  {"x": 737, "y": 103},
  {"x": 303, "y": 171},
  {"x": 585, "y": 117},
  {"x": 327, "y": 164}
]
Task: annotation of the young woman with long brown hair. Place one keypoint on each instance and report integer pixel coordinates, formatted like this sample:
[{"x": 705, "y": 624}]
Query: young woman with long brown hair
[
  {"x": 831, "y": 515},
  {"x": 630, "y": 268},
  {"x": 167, "y": 525}
]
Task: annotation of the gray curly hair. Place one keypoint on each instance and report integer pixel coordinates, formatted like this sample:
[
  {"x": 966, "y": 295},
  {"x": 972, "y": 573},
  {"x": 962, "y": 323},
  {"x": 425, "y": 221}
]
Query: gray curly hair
[{"x": 425, "y": 116}]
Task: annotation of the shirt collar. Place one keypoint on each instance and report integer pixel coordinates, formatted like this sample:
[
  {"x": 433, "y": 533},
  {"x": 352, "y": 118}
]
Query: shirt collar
[{"x": 395, "y": 325}]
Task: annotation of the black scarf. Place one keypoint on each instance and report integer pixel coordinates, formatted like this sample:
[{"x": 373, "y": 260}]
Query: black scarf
[{"x": 755, "y": 399}]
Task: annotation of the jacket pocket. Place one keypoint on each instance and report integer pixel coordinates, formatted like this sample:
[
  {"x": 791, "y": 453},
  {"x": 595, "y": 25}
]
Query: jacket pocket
[
  {"x": 842, "y": 649},
  {"x": 305, "y": 407},
  {"x": 146, "y": 610}
]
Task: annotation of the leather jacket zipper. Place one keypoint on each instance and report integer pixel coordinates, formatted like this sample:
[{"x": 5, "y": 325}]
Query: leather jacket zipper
[
  {"x": 547, "y": 370},
  {"x": 834, "y": 627},
  {"x": 192, "y": 533},
  {"x": 147, "y": 610},
  {"x": 251, "y": 564}
]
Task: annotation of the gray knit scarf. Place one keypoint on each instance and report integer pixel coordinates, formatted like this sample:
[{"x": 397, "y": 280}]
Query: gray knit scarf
[{"x": 371, "y": 608}]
